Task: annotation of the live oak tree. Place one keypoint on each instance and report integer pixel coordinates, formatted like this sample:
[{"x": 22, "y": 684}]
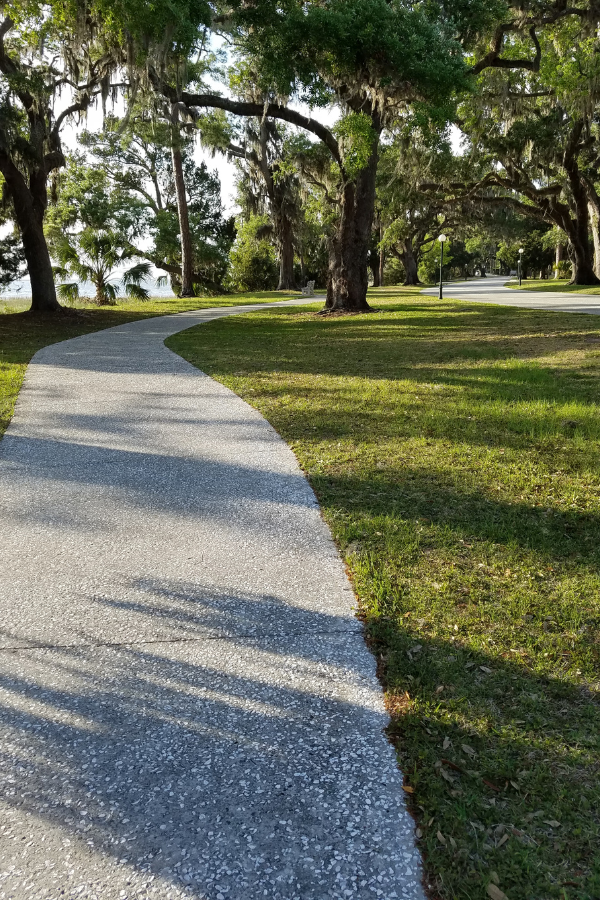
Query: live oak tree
[
  {"x": 533, "y": 118},
  {"x": 56, "y": 59},
  {"x": 370, "y": 58},
  {"x": 413, "y": 217},
  {"x": 51, "y": 69}
]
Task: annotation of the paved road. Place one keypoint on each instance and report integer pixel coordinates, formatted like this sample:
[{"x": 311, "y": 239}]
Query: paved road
[
  {"x": 492, "y": 290},
  {"x": 188, "y": 707}
]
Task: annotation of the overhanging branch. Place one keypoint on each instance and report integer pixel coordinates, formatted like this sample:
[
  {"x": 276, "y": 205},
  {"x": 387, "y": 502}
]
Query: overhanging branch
[{"x": 249, "y": 109}]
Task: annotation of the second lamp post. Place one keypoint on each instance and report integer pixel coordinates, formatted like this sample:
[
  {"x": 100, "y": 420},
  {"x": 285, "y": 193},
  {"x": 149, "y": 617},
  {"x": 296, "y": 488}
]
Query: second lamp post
[
  {"x": 521, "y": 252},
  {"x": 441, "y": 239}
]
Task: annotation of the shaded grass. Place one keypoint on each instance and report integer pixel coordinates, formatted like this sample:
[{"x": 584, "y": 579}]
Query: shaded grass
[
  {"x": 22, "y": 335},
  {"x": 454, "y": 451},
  {"x": 550, "y": 286}
]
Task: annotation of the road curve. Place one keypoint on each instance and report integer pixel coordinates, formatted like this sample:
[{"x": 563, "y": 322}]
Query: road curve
[{"x": 492, "y": 289}]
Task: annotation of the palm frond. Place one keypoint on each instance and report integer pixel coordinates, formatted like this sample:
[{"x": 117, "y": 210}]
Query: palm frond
[
  {"x": 111, "y": 289},
  {"x": 137, "y": 292},
  {"x": 138, "y": 273},
  {"x": 69, "y": 293}
]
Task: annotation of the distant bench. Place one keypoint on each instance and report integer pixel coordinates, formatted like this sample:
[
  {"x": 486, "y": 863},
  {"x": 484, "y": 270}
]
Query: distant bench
[{"x": 309, "y": 289}]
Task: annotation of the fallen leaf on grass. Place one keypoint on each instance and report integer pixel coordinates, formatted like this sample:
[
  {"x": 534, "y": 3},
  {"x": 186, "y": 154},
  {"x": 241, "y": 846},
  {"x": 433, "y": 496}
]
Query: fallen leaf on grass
[
  {"x": 446, "y": 743},
  {"x": 502, "y": 841},
  {"x": 491, "y": 785},
  {"x": 552, "y": 822},
  {"x": 486, "y": 669},
  {"x": 408, "y": 789},
  {"x": 448, "y": 762},
  {"x": 441, "y": 838},
  {"x": 439, "y": 689},
  {"x": 468, "y": 750},
  {"x": 495, "y": 893}
]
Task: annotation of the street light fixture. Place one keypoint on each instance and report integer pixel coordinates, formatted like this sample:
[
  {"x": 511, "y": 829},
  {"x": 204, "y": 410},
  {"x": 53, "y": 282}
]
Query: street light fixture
[
  {"x": 521, "y": 252},
  {"x": 442, "y": 238}
]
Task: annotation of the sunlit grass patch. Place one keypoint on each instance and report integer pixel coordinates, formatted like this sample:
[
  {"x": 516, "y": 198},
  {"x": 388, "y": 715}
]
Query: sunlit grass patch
[
  {"x": 455, "y": 452},
  {"x": 551, "y": 285}
]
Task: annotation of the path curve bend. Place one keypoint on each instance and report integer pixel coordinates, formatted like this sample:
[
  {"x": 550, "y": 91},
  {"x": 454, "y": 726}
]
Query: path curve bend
[{"x": 188, "y": 708}]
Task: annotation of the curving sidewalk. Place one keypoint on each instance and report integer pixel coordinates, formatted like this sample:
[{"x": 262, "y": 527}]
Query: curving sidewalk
[{"x": 187, "y": 708}]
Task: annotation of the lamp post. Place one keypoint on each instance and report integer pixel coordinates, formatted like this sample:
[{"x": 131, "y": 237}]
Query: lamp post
[
  {"x": 441, "y": 239},
  {"x": 521, "y": 252}
]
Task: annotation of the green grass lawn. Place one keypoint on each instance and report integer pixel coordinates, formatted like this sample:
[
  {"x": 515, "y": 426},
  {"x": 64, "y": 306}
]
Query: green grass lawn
[
  {"x": 454, "y": 449},
  {"x": 21, "y": 334},
  {"x": 551, "y": 286}
]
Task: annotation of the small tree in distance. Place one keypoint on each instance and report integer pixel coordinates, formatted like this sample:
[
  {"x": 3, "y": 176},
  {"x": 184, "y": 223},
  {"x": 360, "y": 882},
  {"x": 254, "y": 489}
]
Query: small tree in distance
[
  {"x": 253, "y": 258},
  {"x": 95, "y": 257}
]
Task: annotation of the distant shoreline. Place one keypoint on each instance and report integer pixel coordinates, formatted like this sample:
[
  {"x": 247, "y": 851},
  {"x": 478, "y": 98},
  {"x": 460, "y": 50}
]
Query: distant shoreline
[{"x": 21, "y": 290}]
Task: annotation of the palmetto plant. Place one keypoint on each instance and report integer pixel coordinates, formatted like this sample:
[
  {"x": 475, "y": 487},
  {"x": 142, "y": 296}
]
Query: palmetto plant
[{"x": 94, "y": 256}]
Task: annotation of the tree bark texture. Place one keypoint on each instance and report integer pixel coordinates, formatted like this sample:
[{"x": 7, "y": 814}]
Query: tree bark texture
[
  {"x": 285, "y": 239},
  {"x": 348, "y": 274},
  {"x": 580, "y": 250},
  {"x": 187, "y": 265},
  {"x": 29, "y": 202},
  {"x": 411, "y": 275}
]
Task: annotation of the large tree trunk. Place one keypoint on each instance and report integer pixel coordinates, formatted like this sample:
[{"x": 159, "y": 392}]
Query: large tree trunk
[
  {"x": 29, "y": 202},
  {"x": 411, "y": 275},
  {"x": 287, "y": 282},
  {"x": 596, "y": 237},
  {"x": 348, "y": 279},
  {"x": 187, "y": 266},
  {"x": 375, "y": 257},
  {"x": 582, "y": 263},
  {"x": 578, "y": 228},
  {"x": 375, "y": 269},
  {"x": 381, "y": 255}
]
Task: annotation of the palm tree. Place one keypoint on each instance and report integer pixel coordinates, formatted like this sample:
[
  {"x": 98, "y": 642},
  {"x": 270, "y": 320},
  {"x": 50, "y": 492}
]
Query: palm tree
[{"x": 93, "y": 256}]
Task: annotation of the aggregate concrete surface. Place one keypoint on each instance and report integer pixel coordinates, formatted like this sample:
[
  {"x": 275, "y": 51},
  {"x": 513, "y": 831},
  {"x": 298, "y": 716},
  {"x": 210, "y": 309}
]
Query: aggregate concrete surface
[
  {"x": 492, "y": 289},
  {"x": 188, "y": 707}
]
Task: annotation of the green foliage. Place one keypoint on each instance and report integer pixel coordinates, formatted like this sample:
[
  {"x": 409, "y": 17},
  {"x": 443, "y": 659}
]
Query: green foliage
[
  {"x": 86, "y": 196},
  {"x": 93, "y": 256},
  {"x": 317, "y": 47},
  {"x": 356, "y": 137},
  {"x": 537, "y": 255},
  {"x": 429, "y": 268},
  {"x": 12, "y": 258},
  {"x": 253, "y": 258},
  {"x": 135, "y": 159}
]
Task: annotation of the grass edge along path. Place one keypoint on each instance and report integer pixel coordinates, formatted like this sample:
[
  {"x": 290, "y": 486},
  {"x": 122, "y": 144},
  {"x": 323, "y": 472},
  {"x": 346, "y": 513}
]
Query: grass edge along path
[
  {"x": 454, "y": 452},
  {"x": 22, "y": 335},
  {"x": 552, "y": 286}
]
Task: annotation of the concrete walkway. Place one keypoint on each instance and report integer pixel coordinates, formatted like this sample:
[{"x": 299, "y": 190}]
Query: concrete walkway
[
  {"x": 492, "y": 290},
  {"x": 188, "y": 707}
]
